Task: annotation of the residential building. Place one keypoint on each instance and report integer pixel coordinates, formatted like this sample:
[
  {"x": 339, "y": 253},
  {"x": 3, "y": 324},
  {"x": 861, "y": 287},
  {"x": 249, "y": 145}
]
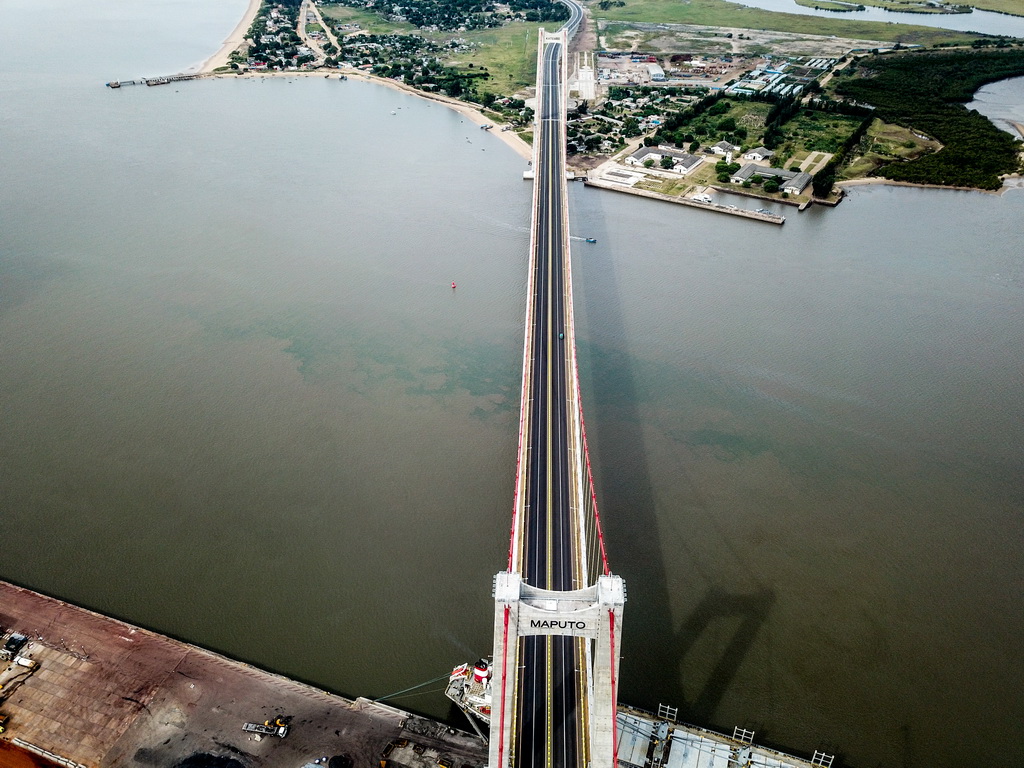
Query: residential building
[
  {"x": 682, "y": 162},
  {"x": 759, "y": 155},
  {"x": 793, "y": 182}
]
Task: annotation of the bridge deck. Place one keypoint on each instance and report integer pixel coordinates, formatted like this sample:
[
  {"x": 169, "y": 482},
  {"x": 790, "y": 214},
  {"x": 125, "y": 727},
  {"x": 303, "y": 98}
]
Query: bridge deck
[{"x": 551, "y": 687}]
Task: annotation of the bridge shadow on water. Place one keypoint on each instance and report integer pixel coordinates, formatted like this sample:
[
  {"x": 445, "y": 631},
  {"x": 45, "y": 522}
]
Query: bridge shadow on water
[{"x": 655, "y": 649}]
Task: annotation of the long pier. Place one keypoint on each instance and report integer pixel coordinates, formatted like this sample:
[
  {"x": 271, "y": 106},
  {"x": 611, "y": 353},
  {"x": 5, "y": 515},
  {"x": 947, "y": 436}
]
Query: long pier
[{"x": 156, "y": 80}]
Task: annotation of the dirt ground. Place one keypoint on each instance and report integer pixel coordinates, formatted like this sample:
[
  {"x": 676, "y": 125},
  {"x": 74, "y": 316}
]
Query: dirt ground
[
  {"x": 14, "y": 757},
  {"x": 686, "y": 38},
  {"x": 106, "y": 694}
]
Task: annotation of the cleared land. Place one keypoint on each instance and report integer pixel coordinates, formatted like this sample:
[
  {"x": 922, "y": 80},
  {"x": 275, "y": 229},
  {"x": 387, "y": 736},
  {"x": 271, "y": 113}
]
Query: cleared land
[
  {"x": 737, "y": 41},
  {"x": 369, "y": 22},
  {"x": 886, "y": 143},
  {"x": 106, "y": 693},
  {"x": 719, "y": 13}
]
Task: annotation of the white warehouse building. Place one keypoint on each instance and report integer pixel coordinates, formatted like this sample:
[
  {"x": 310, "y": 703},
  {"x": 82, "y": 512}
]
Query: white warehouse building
[{"x": 657, "y": 73}]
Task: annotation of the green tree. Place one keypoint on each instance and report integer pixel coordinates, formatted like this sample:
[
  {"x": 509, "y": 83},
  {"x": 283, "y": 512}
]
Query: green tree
[
  {"x": 667, "y": 162},
  {"x": 649, "y": 163},
  {"x": 823, "y": 181}
]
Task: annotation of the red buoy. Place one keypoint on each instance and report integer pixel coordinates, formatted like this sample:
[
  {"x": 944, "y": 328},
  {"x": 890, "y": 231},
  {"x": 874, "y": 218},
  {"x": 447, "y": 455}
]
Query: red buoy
[{"x": 453, "y": 285}]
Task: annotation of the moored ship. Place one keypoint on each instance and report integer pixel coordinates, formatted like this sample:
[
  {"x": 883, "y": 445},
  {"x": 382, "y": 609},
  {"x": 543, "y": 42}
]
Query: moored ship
[{"x": 470, "y": 689}]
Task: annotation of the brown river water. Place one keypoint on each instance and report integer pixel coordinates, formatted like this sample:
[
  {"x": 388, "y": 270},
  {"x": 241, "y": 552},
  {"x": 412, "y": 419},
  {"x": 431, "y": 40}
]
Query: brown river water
[{"x": 242, "y": 405}]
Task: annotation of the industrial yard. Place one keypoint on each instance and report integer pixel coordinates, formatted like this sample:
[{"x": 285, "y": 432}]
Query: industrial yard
[{"x": 88, "y": 691}]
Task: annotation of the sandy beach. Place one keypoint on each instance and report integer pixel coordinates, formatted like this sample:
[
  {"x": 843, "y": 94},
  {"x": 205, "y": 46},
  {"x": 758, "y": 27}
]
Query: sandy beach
[
  {"x": 1009, "y": 182},
  {"x": 220, "y": 58}
]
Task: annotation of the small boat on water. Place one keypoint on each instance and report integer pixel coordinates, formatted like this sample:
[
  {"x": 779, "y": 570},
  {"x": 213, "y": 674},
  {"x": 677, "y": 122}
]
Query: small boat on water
[{"x": 591, "y": 239}]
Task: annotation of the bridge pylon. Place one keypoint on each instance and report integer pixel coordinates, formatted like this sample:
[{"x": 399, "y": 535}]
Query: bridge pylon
[{"x": 594, "y": 614}]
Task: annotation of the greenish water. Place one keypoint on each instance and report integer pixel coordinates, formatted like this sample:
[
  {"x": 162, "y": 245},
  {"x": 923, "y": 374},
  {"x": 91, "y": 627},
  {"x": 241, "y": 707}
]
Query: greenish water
[{"x": 243, "y": 406}]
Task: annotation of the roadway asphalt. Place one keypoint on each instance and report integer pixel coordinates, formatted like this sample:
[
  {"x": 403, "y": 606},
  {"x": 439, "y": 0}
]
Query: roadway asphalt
[{"x": 550, "y": 730}]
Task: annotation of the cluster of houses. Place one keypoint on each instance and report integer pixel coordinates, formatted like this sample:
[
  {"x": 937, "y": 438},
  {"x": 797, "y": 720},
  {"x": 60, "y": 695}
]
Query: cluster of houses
[{"x": 683, "y": 163}]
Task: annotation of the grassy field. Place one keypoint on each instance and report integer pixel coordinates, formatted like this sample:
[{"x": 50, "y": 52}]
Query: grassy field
[
  {"x": 1014, "y": 7},
  {"x": 370, "y": 22},
  {"x": 825, "y": 5},
  {"x": 885, "y": 143},
  {"x": 819, "y": 132},
  {"x": 674, "y": 187},
  {"x": 509, "y": 53},
  {"x": 720, "y": 13},
  {"x": 1003, "y": 6},
  {"x": 902, "y": 7}
]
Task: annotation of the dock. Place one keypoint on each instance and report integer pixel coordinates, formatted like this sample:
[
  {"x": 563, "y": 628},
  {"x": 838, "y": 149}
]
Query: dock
[
  {"x": 657, "y": 740},
  {"x": 87, "y": 691},
  {"x": 155, "y": 80},
  {"x": 83, "y": 690},
  {"x": 732, "y": 210}
]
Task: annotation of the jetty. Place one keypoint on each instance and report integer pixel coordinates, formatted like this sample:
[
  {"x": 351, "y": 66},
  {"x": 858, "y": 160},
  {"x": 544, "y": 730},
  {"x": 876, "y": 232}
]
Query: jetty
[
  {"x": 731, "y": 210},
  {"x": 155, "y": 80}
]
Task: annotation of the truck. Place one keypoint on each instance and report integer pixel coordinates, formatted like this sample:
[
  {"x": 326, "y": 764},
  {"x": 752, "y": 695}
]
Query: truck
[
  {"x": 266, "y": 729},
  {"x": 14, "y": 644}
]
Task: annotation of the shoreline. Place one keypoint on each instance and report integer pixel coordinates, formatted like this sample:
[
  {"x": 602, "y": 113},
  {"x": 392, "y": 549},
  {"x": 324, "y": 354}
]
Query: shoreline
[
  {"x": 878, "y": 180},
  {"x": 474, "y": 114},
  {"x": 510, "y": 138},
  {"x": 173, "y": 700},
  {"x": 232, "y": 41}
]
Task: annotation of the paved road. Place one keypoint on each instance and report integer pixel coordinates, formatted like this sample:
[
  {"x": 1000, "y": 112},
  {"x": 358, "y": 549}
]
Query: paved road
[{"x": 551, "y": 698}]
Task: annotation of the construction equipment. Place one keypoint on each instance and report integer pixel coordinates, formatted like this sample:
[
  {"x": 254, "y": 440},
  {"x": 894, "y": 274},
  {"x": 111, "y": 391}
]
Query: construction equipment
[{"x": 267, "y": 728}]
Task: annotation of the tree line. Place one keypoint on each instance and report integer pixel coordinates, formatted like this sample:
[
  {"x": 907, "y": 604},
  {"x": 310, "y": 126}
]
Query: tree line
[{"x": 926, "y": 92}]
